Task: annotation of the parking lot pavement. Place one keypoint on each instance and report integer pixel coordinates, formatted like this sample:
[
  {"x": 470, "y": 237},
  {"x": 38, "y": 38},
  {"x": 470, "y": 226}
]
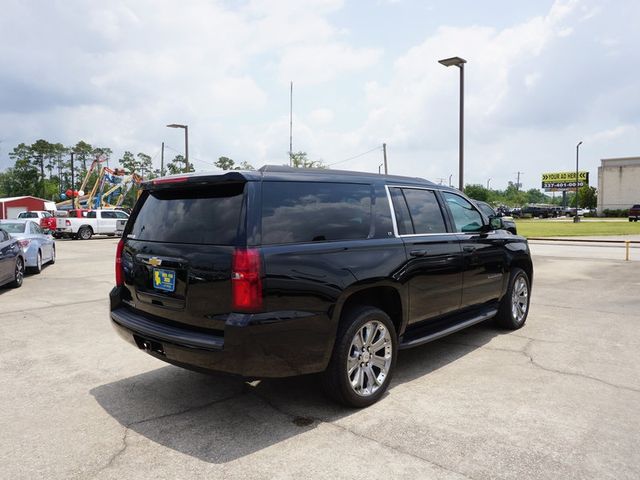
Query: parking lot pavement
[{"x": 556, "y": 399}]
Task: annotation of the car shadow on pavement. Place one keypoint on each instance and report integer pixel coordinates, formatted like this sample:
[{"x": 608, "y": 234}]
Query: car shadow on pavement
[{"x": 219, "y": 418}]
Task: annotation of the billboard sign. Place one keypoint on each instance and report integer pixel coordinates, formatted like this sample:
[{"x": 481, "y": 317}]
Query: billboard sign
[{"x": 559, "y": 181}]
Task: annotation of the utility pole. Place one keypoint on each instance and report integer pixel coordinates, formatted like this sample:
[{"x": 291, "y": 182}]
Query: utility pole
[
  {"x": 450, "y": 180},
  {"x": 162, "y": 160},
  {"x": 42, "y": 173},
  {"x": 576, "y": 218},
  {"x": 291, "y": 126},
  {"x": 488, "y": 181},
  {"x": 73, "y": 180},
  {"x": 518, "y": 181},
  {"x": 384, "y": 152}
]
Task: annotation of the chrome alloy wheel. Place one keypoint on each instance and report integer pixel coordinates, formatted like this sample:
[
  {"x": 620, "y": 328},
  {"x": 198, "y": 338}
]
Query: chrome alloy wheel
[
  {"x": 370, "y": 356},
  {"x": 519, "y": 299},
  {"x": 19, "y": 273}
]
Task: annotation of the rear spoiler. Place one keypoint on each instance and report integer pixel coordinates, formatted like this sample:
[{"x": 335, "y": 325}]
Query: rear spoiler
[{"x": 198, "y": 179}]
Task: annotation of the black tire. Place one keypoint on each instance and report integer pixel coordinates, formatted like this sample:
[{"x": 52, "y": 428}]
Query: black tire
[
  {"x": 336, "y": 380},
  {"x": 85, "y": 233},
  {"x": 38, "y": 268},
  {"x": 53, "y": 256},
  {"x": 511, "y": 316},
  {"x": 18, "y": 274}
]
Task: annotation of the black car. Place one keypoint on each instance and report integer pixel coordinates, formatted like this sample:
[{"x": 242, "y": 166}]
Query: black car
[
  {"x": 11, "y": 260},
  {"x": 285, "y": 271},
  {"x": 507, "y": 223}
]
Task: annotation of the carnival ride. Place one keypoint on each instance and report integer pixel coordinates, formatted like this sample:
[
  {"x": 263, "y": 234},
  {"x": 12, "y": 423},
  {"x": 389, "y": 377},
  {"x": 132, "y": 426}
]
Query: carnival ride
[{"x": 108, "y": 191}]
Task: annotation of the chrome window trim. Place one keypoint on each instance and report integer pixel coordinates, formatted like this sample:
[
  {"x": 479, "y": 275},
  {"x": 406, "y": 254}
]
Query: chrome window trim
[{"x": 393, "y": 213}]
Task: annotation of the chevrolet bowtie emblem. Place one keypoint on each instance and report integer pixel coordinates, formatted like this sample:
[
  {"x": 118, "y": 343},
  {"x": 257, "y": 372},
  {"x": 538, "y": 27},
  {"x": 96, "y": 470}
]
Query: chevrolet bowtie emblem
[{"x": 154, "y": 261}]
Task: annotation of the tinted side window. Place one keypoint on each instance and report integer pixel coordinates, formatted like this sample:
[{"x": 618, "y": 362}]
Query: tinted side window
[
  {"x": 465, "y": 216},
  {"x": 109, "y": 215},
  {"x": 401, "y": 210},
  {"x": 426, "y": 214},
  {"x": 91, "y": 214},
  {"x": 35, "y": 228},
  {"x": 121, "y": 214},
  {"x": 209, "y": 216},
  {"x": 296, "y": 212},
  {"x": 486, "y": 209}
]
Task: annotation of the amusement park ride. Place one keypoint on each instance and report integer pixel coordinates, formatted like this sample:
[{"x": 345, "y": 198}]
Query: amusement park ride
[{"x": 108, "y": 191}]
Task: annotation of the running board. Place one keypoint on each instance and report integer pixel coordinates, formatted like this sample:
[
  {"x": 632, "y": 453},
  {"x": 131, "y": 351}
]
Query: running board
[{"x": 431, "y": 336}]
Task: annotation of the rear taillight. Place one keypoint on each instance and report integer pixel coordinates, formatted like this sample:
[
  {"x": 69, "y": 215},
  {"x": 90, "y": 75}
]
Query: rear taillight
[
  {"x": 246, "y": 281},
  {"x": 119, "y": 272},
  {"x": 24, "y": 243}
]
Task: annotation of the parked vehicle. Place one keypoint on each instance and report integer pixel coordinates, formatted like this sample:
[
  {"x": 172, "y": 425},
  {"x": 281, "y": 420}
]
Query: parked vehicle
[
  {"x": 46, "y": 221},
  {"x": 488, "y": 210},
  {"x": 92, "y": 222},
  {"x": 11, "y": 261},
  {"x": 39, "y": 248},
  {"x": 634, "y": 213},
  {"x": 287, "y": 271},
  {"x": 120, "y": 224},
  {"x": 542, "y": 210}
]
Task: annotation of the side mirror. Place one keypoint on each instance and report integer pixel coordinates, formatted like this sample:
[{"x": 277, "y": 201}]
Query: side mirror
[{"x": 496, "y": 223}]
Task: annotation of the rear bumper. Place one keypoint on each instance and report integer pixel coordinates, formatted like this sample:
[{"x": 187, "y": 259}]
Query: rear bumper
[{"x": 276, "y": 344}]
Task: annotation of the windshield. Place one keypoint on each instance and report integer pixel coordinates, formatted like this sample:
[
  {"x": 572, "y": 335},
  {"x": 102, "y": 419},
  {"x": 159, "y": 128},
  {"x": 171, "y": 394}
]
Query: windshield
[{"x": 13, "y": 227}]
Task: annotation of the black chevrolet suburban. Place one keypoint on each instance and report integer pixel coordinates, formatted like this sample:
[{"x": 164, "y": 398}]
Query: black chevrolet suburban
[{"x": 284, "y": 271}]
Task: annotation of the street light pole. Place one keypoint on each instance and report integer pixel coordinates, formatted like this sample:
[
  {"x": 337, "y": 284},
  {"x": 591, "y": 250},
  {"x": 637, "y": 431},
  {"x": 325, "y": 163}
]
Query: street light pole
[
  {"x": 186, "y": 143},
  {"x": 459, "y": 62},
  {"x": 488, "y": 181},
  {"x": 576, "y": 218}
]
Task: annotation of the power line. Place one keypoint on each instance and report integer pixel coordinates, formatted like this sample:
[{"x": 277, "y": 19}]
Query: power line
[{"x": 355, "y": 156}]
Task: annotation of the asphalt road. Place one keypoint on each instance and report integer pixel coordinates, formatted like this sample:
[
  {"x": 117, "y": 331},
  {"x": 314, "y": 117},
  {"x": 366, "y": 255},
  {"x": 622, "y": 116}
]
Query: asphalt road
[{"x": 557, "y": 399}]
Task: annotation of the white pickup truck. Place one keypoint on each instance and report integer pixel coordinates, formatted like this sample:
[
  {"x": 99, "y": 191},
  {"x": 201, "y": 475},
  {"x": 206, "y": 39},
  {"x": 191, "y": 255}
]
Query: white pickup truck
[{"x": 93, "y": 222}]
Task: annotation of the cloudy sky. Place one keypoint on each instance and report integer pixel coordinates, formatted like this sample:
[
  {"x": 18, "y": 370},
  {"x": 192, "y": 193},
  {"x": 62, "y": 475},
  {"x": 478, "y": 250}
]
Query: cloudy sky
[{"x": 541, "y": 76}]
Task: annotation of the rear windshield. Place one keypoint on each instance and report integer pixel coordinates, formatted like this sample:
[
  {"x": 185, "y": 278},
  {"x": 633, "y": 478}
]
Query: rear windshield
[
  {"x": 13, "y": 227},
  {"x": 28, "y": 215},
  {"x": 208, "y": 216}
]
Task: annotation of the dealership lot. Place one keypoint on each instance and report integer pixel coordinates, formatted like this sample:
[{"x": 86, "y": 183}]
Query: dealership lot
[{"x": 556, "y": 399}]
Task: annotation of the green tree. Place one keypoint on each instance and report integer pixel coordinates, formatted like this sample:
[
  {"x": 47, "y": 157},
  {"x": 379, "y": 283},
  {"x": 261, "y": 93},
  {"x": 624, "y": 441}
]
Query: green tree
[
  {"x": 177, "y": 165},
  {"x": 22, "y": 178},
  {"x": 300, "y": 160},
  {"x": 477, "y": 192},
  {"x": 225, "y": 163},
  {"x": 588, "y": 197},
  {"x": 145, "y": 167},
  {"x": 83, "y": 151},
  {"x": 128, "y": 162}
]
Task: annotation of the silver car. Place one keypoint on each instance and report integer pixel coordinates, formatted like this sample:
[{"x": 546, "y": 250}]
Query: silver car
[{"x": 38, "y": 247}]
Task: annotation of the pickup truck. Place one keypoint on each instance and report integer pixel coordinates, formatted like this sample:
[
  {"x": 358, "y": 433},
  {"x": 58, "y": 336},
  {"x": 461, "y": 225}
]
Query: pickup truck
[
  {"x": 95, "y": 222},
  {"x": 634, "y": 213},
  {"x": 46, "y": 221}
]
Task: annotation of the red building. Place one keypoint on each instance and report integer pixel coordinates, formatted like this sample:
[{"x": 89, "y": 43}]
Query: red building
[{"x": 12, "y": 206}]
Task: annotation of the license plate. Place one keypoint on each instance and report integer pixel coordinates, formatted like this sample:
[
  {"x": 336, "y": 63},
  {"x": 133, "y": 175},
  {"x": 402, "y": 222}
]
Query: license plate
[{"x": 164, "y": 280}]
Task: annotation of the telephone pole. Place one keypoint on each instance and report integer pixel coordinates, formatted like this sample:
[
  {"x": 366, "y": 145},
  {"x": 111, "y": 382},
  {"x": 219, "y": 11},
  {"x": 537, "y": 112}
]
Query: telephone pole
[
  {"x": 518, "y": 181},
  {"x": 384, "y": 152},
  {"x": 162, "y": 160},
  {"x": 291, "y": 126}
]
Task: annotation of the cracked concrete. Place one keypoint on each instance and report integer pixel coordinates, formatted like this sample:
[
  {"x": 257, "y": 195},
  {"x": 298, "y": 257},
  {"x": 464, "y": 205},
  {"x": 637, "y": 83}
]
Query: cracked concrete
[{"x": 557, "y": 399}]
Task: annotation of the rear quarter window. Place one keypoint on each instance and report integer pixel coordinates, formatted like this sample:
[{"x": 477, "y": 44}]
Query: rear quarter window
[
  {"x": 299, "y": 212},
  {"x": 209, "y": 216}
]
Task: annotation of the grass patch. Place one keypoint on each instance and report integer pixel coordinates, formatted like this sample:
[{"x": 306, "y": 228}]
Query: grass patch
[{"x": 554, "y": 228}]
